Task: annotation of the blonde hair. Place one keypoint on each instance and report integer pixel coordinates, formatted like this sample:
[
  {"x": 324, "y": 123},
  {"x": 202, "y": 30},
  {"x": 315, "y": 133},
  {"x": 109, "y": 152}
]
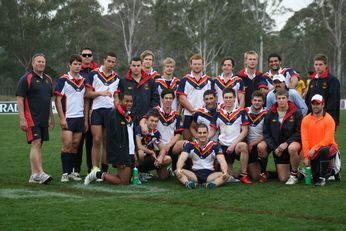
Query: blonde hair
[
  {"x": 250, "y": 53},
  {"x": 147, "y": 53},
  {"x": 168, "y": 60}
]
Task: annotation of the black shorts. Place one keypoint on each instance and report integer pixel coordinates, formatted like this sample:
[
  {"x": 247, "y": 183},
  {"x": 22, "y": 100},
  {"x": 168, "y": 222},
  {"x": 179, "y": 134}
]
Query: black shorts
[
  {"x": 147, "y": 164},
  {"x": 98, "y": 116},
  {"x": 283, "y": 159},
  {"x": 129, "y": 163},
  {"x": 202, "y": 175},
  {"x": 35, "y": 133},
  {"x": 187, "y": 121},
  {"x": 253, "y": 155},
  {"x": 230, "y": 157},
  {"x": 75, "y": 125}
]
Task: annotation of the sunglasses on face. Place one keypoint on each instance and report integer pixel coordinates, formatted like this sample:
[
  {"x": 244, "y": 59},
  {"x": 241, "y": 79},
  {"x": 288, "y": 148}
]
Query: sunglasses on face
[{"x": 87, "y": 55}]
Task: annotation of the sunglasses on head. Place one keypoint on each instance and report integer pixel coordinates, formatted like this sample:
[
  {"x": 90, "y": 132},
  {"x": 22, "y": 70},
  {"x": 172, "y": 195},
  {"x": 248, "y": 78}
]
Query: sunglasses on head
[{"x": 87, "y": 55}]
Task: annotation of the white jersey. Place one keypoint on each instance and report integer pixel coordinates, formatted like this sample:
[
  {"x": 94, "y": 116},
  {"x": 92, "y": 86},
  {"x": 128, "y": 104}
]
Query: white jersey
[
  {"x": 256, "y": 121},
  {"x": 194, "y": 90},
  {"x": 162, "y": 83},
  {"x": 72, "y": 91},
  {"x": 202, "y": 157},
  {"x": 234, "y": 82},
  {"x": 98, "y": 81},
  {"x": 229, "y": 124}
]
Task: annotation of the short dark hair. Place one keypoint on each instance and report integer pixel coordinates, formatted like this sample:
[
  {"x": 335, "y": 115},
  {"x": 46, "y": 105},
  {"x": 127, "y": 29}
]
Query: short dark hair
[
  {"x": 111, "y": 54},
  {"x": 75, "y": 57},
  {"x": 167, "y": 91},
  {"x": 135, "y": 59},
  {"x": 281, "y": 91},
  {"x": 209, "y": 92},
  {"x": 228, "y": 58},
  {"x": 202, "y": 125},
  {"x": 321, "y": 57},
  {"x": 274, "y": 55},
  {"x": 153, "y": 113},
  {"x": 123, "y": 94},
  {"x": 86, "y": 48},
  {"x": 257, "y": 94},
  {"x": 228, "y": 90}
]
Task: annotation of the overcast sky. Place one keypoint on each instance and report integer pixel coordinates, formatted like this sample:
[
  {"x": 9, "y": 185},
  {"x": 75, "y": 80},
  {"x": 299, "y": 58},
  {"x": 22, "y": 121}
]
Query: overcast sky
[{"x": 280, "y": 19}]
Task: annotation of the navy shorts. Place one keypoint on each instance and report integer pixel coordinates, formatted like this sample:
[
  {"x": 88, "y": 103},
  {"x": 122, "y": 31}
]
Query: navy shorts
[
  {"x": 147, "y": 164},
  {"x": 230, "y": 157},
  {"x": 202, "y": 175},
  {"x": 75, "y": 124},
  {"x": 253, "y": 155},
  {"x": 98, "y": 116},
  {"x": 35, "y": 133},
  {"x": 283, "y": 159},
  {"x": 129, "y": 163},
  {"x": 187, "y": 121}
]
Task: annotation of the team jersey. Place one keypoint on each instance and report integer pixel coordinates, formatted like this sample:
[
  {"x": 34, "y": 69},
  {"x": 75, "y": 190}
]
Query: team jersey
[
  {"x": 256, "y": 121},
  {"x": 169, "y": 124},
  {"x": 202, "y": 157},
  {"x": 98, "y": 81},
  {"x": 194, "y": 90},
  {"x": 162, "y": 83},
  {"x": 205, "y": 116},
  {"x": 154, "y": 74},
  {"x": 234, "y": 82},
  {"x": 151, "y": 140},
  {"x": 72, "y": 92},
  {"x": 287, "y": 72},
  {"x": 229, "y": 124}
]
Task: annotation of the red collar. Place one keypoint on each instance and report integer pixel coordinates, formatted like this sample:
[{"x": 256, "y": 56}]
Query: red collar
[
  {"x": 123, "y": 113},
  {"x": 145, "y": 78},
  {"x": 242, "y": 73},
  {"x": 93, "y": 65},
  {"x": 323, "y": 76}
]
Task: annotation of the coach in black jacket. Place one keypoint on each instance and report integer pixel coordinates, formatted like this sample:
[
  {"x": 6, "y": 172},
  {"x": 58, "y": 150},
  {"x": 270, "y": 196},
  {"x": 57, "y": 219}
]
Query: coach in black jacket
[{"x": 282, "y": 134}]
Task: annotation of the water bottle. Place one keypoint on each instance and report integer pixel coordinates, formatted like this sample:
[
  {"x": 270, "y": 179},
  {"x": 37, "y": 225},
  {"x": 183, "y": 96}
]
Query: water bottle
[
  {"x": 308, "y": 175},
  {"x": 135, "y": 179}
]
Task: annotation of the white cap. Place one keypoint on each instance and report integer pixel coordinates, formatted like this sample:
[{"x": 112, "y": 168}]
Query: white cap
[
  {"x": 318, "y": 98},
  {"x": 279, "y": 77}
]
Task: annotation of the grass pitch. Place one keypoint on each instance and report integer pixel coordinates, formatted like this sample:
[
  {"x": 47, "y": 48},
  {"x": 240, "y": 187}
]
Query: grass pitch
[{"x": 155, "y": 205}]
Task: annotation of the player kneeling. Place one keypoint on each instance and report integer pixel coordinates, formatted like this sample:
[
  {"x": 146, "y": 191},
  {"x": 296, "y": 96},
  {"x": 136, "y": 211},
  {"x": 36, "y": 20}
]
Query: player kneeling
[
  {"x": 203, "y": 154},
  {"x": 151, "y": 151}
]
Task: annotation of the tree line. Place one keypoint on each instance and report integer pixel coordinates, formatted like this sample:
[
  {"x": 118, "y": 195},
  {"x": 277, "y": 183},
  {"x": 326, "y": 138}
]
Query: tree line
[{"x": 174, "y": 28}]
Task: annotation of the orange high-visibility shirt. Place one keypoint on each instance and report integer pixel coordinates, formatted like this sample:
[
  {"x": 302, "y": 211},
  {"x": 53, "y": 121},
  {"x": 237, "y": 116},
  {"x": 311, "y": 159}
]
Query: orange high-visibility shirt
[{"x": 317, "y": 133}]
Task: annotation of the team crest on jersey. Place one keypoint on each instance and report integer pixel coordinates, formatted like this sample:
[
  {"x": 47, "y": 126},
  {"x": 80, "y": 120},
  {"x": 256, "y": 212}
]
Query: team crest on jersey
[
  {"x": 291, "y": 119},
  {"x": 146, "y": 86},
  {"x": 129, "y": 88},
  {"x": 274, "y": 120},
  {"x": 324, "y": 85},
  {"x": 122, "y": 123}
]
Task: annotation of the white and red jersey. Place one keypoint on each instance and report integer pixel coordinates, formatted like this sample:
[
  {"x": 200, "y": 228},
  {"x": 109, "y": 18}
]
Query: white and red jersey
[
  {"x": 234, "y": 82},
  {"x": 205, "y": 116},
  {"x": 98, "y": 81},
  {"x": 256, "y": 121},
  {"x": 194, "y": 90},
  {"x": 162, "y": 83},
  {"x": 229, "y": 124},
  {"x": 72, "y": 91}
]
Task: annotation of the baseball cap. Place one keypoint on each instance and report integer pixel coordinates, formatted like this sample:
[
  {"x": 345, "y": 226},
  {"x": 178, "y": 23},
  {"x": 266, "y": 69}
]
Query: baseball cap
[
  {"x": 317, "y": 98},
  {"x": 279, "y": 77}
]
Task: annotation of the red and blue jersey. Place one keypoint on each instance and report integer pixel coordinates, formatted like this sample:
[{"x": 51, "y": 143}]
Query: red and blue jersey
[
  {"x": 234, "y": 82},
  {"x": 162, "y": 83},
  {"x": 256, "y": 121},
  {"x": 151, "y": 140}
]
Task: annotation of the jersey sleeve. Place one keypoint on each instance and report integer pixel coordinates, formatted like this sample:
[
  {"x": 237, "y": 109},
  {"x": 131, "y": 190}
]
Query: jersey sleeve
[
  {"x": 89, "y": 80},
  {"x": 178, "y": 126},
  {"x": 138, "y": 132},
  {"x": 244, "y": 118},
  {"x": 59, "y": 87},
  {"x": 181, "y": 87},
  {"x": 22, "y": 88},
  {"x": 217, "y": 149}
]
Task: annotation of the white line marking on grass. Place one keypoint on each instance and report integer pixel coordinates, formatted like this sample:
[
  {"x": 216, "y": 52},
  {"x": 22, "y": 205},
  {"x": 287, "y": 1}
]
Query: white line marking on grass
[
  {"x": 130, "y": 189},
  {"x": 26, "y": 193}
]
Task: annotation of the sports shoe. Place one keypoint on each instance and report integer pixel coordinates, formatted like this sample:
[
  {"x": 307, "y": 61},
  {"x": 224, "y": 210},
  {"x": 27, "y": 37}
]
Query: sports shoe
[
  {"x": 90, "y": 178},
  {"x": 210, "y": 185},
  {"x": 190, "y": 185},
  {"x": 321, "y": 182},
  {"x": 142, "y": 178},
  {"x": 65, "y": 178},
  {"x": 171, "y": 172},
  {"x": 245, "y": 179},
  {"x": 44, "y": 178},
  {"x": 232, "y": 179},
  {"x": 34, "y": 179},
  {"x": 74, "y": 176},
  {"x": 292, "y": 180},
  {"x": 262, "y": 178}
]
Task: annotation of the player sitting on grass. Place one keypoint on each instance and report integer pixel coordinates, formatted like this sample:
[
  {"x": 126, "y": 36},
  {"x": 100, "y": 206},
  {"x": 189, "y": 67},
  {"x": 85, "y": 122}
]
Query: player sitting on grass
[
  {"x": 151, "y": 150},
  {"x": 203, "y": 154}
]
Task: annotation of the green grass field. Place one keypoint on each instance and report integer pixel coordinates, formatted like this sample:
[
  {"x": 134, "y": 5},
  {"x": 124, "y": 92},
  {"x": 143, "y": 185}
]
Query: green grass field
[{"x": 155, "y": 205}]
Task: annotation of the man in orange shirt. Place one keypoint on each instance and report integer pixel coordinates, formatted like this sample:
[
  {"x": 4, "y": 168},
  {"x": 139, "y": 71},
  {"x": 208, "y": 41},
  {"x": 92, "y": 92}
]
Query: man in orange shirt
[{"x": 319, "y": 146}]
